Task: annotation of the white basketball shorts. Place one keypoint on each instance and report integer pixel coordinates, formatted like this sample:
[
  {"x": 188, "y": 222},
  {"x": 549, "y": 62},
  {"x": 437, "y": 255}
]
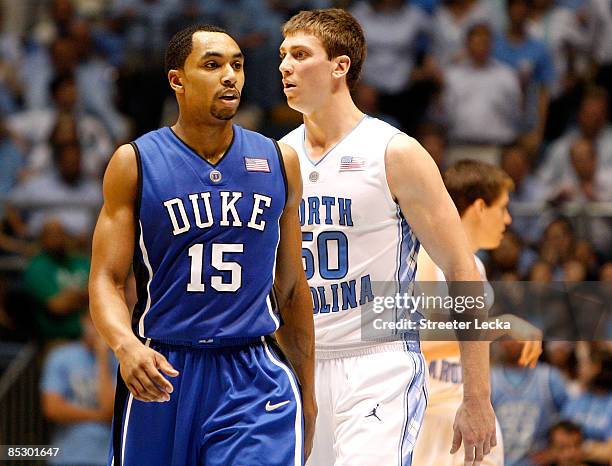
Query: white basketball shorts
[{"x": 371, "y": 406}]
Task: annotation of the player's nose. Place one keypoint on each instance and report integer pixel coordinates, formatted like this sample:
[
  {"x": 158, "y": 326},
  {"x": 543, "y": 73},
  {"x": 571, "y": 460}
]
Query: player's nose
[
  {"x": 230, "y": 76},
  {"x": 285, "y": 67}
]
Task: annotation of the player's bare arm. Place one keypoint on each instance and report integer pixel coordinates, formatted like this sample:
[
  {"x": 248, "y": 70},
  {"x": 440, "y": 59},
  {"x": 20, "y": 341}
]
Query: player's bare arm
[
  {"x": 416, "y": 184},
  {"x": 112, "y": 253},
  {"x": 521, "y": 330},
  {"x": 296, "y": 336}
]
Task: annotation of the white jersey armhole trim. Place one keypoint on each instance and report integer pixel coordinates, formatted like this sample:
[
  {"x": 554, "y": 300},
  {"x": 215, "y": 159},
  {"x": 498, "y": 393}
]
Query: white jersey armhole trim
[{"x": 388, "y": 193}]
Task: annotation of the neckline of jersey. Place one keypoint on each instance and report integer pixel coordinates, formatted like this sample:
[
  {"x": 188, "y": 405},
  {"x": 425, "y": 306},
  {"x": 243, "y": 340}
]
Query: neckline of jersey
[
  {"x": 194, "y": 152},
  {"x": 331, "y": 149},
  {"x": 526, "y": 375}
]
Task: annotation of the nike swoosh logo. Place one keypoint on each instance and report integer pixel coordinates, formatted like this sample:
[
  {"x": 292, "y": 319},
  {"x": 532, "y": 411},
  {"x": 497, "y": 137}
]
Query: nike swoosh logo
[{"x": 272, "y": 407}]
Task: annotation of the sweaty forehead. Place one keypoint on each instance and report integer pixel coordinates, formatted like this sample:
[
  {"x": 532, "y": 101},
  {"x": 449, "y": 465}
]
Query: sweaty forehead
[{"x": 217, "y": 42}]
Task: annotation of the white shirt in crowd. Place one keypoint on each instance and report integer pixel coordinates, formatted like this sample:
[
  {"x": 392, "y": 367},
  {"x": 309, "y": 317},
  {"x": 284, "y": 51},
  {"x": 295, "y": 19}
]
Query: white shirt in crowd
[
  {"x": 449, "y": 33},
  {"x": 482, "y": 104},
  {"x": 76, "y": 207},
  {"x": 557, "y": 165},
  {"x": 560, "y": 29},
  {"x": 35, "y": 126}
]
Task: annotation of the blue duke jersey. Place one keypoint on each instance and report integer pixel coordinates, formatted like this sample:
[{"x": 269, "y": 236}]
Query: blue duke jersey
[
  {"x": 207, "y": 237},
  {"x": 354, "y": 236}
]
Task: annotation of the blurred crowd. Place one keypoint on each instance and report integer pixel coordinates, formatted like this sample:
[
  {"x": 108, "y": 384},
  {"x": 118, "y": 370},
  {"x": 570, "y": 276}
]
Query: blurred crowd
[{"x": 524, "y": 84}]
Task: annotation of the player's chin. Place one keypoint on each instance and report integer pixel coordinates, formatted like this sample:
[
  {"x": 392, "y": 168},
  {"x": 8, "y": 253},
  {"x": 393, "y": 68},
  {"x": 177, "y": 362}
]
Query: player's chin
[
  {"x": 295, "y": 104},
  {"x": 224, "y": 113}
]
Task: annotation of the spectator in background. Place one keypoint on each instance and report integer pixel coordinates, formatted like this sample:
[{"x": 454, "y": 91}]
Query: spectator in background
[
  {"x": 532, "y": 61},
  {"x": 567, "y": 35},
  {"x": 64, "y": 193},
  {"x": 591, "y": 410},
  {"x": 73, "y": 54},
  {"x": 96, "y": 81},
  {"x": 35, "y": 127},
  {"x": 585, "y": 254},
  {"x": 77, "y": 396},
  {"x": 592, "y": 126},
  {"x": 55, "y": 21},
  {"x": 395, "y": 30},
  {"x": 433, "y": 138},
  {"x": 557, "y": 245},
  {"x": 516, "y": 162},
  {"x": 527, "y": 403},
  {"x": 480, "y": 89},
  {"x": 57, "y": 281},
  {"x": 562, "y": 355},
  {"x": 12, "y": 229},
  {"x": 588, "y": 181},
  {"x": 255, "y": 25},
  {"x": 145, "y": 25},
  {"x": 565, "y": 444},
  {"x": 583, "y": 182},
  {"x": 512, "y": 256},
  {"x": 451, "y": 23},
  {"x": 367, "y": 99},
  {"x": 41, "y": 63}
]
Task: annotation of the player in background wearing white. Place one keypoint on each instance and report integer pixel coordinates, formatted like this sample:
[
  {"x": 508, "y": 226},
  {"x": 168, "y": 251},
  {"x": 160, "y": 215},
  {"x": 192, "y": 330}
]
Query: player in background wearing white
[
  {"x": 369, "y": 192},
  {"x": 480, "y": 192}
]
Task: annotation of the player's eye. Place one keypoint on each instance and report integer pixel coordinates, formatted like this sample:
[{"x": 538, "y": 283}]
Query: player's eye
[
  {"x": 211, "y": 64},
  {"x": 300, "y": 55},
  {"x": 238, "y": 65}
]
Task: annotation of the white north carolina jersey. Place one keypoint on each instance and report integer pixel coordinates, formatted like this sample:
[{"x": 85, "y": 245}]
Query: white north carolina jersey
[{"x": 353, "y": 233}]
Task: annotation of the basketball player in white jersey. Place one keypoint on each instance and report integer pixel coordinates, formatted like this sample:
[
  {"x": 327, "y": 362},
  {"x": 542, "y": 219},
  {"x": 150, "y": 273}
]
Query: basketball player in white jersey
[
  {"x": 369, "y": 192},
  {"x": 480, "y": 193}
]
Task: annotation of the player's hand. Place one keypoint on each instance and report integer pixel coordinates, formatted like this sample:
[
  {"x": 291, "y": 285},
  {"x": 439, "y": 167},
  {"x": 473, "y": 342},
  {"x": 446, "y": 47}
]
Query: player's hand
[
  {"x": 310, "y": 416},
  {"x": 475, "y": 427},
  {"x": 141, "y": 368},
  {"x": 530, "y": 336}
]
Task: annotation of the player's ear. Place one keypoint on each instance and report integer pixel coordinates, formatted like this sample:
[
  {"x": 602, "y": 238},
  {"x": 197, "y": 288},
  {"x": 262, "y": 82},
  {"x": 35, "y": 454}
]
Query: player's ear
[
  {"x": 479, "y": 205},
  {"x": 176, "y": 81},
  {"x": 342, "y": 64}
]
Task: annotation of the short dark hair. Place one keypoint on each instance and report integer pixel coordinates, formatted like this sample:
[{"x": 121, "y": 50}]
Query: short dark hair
[
  {"x": 340, "y": 33},
  {"x": 469, "y": 180},
  {"x": 481, "y": 26},
  {"x": 181, "y": 45},
  {"x": 567, "y": 426},
  {"x": 59, "y": 80}
]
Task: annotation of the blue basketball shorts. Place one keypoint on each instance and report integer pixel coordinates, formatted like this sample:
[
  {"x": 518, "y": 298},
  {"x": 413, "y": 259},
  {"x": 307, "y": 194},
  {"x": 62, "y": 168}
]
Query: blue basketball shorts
[{"x": 231, "y": 406}]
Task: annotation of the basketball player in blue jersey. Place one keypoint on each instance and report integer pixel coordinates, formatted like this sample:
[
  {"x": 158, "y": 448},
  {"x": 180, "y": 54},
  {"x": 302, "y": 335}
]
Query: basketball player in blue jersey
[
  {"x": 369, "y": 192},
  {"x": 208, "y": 214}
]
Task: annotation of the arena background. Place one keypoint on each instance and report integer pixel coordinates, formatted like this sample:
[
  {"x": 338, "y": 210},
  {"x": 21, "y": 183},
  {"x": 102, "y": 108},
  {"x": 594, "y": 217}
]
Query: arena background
[{"x": 78, "y": 78}]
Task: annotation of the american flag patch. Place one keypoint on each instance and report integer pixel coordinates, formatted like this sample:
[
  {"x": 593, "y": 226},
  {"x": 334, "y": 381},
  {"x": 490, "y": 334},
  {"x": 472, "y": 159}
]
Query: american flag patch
[
  {"x": 349, "y": 163},
  {"x": 256, "y": 165}
]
